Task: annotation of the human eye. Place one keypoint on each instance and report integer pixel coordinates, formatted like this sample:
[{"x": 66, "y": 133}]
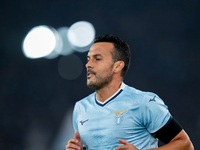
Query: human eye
[
  {"x": 88, "y": 58},
  {"x": 98, "y": 58}
]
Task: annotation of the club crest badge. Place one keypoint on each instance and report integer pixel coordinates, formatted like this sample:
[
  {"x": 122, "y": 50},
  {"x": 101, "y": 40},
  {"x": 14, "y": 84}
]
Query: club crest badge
[{"x": 119, "y": 117}]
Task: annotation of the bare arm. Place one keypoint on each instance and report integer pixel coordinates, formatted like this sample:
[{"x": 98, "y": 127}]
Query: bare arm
[{"x": 180, "y": 142}]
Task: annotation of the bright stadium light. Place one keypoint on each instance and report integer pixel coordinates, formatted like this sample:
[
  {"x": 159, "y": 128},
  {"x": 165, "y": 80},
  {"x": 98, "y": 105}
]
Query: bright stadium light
[
  {"x": 67, "y": 48},
  {"x": 58, "y": 47},
  {"x": 81, "y": 35},
  {"x": 39, "y": 42}
]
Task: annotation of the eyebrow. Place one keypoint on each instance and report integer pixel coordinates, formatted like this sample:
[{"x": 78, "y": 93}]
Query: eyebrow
[{"x": 96, "y": 55}]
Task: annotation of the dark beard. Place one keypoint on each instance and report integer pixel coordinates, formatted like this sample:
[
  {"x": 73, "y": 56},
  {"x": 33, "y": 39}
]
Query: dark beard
[{"x": 100, "y": 84}]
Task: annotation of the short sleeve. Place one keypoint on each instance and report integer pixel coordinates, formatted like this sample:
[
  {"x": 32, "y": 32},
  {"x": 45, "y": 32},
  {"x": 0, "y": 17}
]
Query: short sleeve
[
  {"x": 74, "y": 118},
  {"x": 76, "y": 112},
  {"x": 155, "y": 113}
]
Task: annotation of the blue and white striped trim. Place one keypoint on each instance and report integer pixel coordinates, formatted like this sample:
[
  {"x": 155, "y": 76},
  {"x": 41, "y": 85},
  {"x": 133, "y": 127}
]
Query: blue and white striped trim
[{"x": 112, "y": 97}]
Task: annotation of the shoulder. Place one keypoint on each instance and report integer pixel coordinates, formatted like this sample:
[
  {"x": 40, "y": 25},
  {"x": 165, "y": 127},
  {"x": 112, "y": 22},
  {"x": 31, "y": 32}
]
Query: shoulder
[
  {"x": 86, "y": 100},
  {"x": 146, "y": 99},
  {"x": 143, "y": 96},
  {"x": 133, "y": 92},
  {"x": 83, "y": 104}
]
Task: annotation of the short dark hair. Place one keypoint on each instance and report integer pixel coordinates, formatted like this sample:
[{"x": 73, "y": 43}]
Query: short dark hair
[{"x": 121, "y": 53}]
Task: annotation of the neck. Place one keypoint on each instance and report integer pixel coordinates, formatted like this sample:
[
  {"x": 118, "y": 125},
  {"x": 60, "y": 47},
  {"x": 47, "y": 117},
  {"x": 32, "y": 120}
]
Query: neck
[{"x": 108, "y": 90}]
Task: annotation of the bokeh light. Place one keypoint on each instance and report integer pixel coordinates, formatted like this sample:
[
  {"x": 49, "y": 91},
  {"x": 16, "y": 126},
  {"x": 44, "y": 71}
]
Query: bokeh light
[
  {"x": 45, "y": 41},
  {"x": 39, "y": 42},
  {"x": 81, "y": 35},
  {"x": 58, "y": 47},
  {"x": 66, "y": 45},
  {"x": 70, "y": 67}
]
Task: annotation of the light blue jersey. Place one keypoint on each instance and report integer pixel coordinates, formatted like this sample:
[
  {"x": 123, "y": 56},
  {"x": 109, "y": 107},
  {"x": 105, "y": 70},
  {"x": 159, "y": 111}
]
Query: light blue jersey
[{"x": 129, "y": 114}]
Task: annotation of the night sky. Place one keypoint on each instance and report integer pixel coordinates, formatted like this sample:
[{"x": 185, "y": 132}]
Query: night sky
[{"x": 164, "y": 38}]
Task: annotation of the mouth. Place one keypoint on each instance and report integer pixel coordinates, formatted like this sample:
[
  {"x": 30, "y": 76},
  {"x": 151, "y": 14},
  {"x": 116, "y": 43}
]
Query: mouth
[{"x": 90, "y": 73}]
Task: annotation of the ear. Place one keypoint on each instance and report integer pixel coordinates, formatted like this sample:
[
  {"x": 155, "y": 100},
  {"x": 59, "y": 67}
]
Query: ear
[{"x": 118, "y": 66}]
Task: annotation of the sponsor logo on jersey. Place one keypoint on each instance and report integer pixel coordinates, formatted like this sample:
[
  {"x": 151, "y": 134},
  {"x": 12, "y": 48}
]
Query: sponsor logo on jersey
[
  {"x": 119, "y": 116},
  {"x": 153, "y": 99},
  {"x": 82, "y": 122}
]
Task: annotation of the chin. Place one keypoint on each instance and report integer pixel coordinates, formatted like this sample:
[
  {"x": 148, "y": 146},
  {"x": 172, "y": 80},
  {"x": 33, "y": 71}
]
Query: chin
[{"x": 92, "y": 85}]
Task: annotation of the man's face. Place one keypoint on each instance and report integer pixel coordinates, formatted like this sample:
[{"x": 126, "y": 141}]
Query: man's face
[{"x": 100, "y": 65}]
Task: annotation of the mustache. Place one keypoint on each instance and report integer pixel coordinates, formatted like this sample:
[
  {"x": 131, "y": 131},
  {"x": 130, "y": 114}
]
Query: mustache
[{"x": 90, "y": 71}]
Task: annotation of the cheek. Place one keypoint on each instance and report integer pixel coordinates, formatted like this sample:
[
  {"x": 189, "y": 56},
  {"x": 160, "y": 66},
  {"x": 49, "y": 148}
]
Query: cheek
[
  {"x": 104, "y": 68},
  {"x": 107, "y": 72}
]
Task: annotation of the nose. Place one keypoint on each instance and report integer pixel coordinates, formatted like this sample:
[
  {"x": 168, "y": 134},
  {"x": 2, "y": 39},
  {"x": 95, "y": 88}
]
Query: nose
[{"x": 89, "y": 64}]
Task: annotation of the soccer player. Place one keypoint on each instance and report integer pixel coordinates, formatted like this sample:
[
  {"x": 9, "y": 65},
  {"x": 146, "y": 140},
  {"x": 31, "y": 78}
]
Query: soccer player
[{"x": 117, "y": 116}]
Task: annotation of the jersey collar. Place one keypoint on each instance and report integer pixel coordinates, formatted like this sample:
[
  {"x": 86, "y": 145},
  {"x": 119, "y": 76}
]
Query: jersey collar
[{"x": 112, "y": 97}]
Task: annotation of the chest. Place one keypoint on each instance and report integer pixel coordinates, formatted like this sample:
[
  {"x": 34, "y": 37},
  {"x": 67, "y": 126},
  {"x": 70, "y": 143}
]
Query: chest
[
  {"x": 108, "y": 124},
  {"x": 102, "y": 118}
]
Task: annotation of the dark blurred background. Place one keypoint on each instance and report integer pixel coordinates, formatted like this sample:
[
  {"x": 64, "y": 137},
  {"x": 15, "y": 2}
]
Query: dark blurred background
[{"x": 36, "y": 101}]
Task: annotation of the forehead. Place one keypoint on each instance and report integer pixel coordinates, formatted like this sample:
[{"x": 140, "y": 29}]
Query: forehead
[{"x": 101, "y": 48}]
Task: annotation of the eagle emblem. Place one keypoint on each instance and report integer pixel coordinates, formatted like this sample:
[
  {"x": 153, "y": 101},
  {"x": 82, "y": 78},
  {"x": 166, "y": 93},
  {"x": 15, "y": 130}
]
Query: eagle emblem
[{"x": 119, "y": 117}]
